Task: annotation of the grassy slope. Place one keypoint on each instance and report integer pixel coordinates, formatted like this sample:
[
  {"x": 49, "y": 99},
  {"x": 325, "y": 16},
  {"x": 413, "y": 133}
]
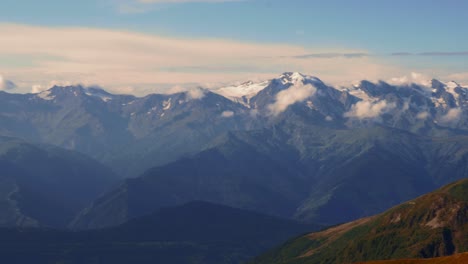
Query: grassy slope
[
  {"x": 432, "y": 225},
  {"x": 455, "y": 259}
]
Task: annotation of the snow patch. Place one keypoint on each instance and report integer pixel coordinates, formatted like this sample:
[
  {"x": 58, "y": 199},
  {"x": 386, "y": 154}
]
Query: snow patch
[
  {"x": 439, "y": 102},
  {"x": 97, "y": 92},
  {"x": 296, "y": 77},
  {"x": 242, "y": 93},
  {"x": 357, "y": 92},
  {"x": 167, "y": 104},
  {"x": 451, "y": 86},
  {"x": 46, "y": 95}
]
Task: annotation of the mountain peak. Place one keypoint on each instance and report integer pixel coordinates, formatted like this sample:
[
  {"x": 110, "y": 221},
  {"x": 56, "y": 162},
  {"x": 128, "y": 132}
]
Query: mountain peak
[
  {"x": 297, "y": 77},
  {"x": 75, "y": 90}
]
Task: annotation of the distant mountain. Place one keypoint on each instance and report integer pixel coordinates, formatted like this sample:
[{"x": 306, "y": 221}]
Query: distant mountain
[
  {"x": 312, "y": 174},
  {"x": 127, "y": 133},
  {"x": 132, "y": 134},
  {"x": 46, "y": 186},
  {"x": 234, "y": 173},
  {"x": 196, "y": 232},
  {"x": 430, "y": 226},
  {"x": 292, "y": 146}
]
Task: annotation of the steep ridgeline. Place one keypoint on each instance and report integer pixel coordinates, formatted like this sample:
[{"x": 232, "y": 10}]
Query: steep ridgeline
[
  {"x": 292, "y": 146},
  {"x": 127, "y": 133},
  {"x": 430, "y": 226},
  {"x": 439, "y": 109},
  {"x": 132, "y": 134},
  {"x": 46, "y": 186},
  {"x": 313, "y": 174},
  {"x": 454, "y": 259},
  {"x": 196, "y": 232}
]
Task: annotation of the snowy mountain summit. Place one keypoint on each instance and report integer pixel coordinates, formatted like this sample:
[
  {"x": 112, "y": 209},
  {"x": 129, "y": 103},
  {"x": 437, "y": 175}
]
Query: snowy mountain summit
[{"x": 243, "y": 92}]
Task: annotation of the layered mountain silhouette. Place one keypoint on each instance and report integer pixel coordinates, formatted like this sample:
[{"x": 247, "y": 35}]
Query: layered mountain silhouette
[
  {"x": 45, "y": 186},
  {"x": 197, "y": 232},
  {"x": 331, "y": 178},
  {"x": 433, "y": 225},
  {"x": 133, "y": 134},
  {"x": 292, "y": 146},
  {"x": 209, "y": 176}
]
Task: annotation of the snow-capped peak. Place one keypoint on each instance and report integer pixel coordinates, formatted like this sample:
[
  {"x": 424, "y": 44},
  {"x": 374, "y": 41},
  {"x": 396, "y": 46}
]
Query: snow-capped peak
[
  {"x": 296, "y": 77},
  {"x": 245, "y": 91},
  {"x": 242, "y": 93}
]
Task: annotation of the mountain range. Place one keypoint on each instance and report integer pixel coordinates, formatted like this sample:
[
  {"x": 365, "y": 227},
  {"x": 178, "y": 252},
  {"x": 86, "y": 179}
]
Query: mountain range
[
  {"x": 292, "y": 147},
  {"x": 197, "y": 232},
  {"x": 132, "y": 134},
  {"x": 221, "y": 175}
]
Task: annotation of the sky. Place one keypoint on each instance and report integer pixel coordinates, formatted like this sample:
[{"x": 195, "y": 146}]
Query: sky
[{"x": 143, "y": 46}]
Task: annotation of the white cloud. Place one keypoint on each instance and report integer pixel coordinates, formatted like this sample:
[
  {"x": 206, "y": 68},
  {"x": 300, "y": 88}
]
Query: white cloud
[
  {"x": 196, "y": 93},
  {"x": 459, "y": 77},
  {"x": 37, "y": 88},
  {"x": 414, "y": 77},
  {"x": 227, "y": 114},
  {"x": 423, "y": 115},
  {"x": 124, "y": 90},
  {"x": 6, "y": 84},
  {"x": 193, "y": 93},
  {"x": 114, "y": 59},
  {"x": 369, "y": 110},
  {"x": 453, "y": 115},
  {"x": 296, "y": 93}
]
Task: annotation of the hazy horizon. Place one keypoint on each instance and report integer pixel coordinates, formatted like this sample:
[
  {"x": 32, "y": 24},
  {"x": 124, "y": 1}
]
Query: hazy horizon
[{"x": 148, "y": 46}]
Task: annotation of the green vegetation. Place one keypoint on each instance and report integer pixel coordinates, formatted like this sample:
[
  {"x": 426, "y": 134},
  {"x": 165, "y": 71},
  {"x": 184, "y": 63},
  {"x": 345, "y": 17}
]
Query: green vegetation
[{"x": 430, "y": 226}]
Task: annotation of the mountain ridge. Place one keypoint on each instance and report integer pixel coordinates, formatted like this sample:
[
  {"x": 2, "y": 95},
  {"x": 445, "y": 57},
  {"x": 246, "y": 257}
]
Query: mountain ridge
[
  {"x": 429, "y": 226},
  {"x": 196, "y": 232},
  {"x": 116, "y": 129}
]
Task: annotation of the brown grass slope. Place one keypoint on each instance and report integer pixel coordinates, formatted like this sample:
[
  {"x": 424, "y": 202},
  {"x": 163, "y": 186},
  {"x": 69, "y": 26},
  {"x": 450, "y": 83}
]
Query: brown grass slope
[
  {"x": 455, "y": 259},
  {"x": 430, "y": 226}
]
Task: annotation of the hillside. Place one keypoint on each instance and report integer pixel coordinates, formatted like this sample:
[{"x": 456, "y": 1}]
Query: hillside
[
  {"x": 196, "y": 232},
  {"x": 309, "y": 173},
  {"x": 455, "y": 259},
  {"x": 430, "y": 226},
  {"x": 45, "y": 185}
]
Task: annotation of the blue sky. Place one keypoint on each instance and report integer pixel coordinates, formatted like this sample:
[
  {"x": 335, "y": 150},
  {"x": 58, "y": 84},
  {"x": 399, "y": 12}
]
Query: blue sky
[{"x": 392, "y": 39}]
